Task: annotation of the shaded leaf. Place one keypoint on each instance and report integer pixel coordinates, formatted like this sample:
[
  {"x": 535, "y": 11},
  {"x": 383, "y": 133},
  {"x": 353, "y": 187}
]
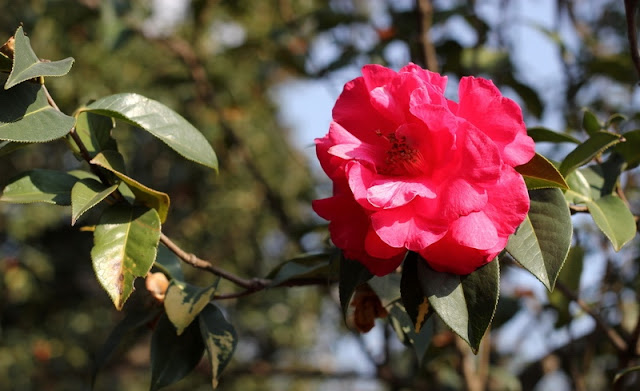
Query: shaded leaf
[
  {"x": 614, "y": 219},
  {"x": 352, "y": 274},
  {"x": 114, "y": 162},
  {"x": 95, "y": 133},
  {"x": 306, "y": 266},
  {"x": 169, "y": 263},
  {"x": 615, "y": 119},
  {"x": 86, "y": 194},
  {"x": 174, "y": 356},
  {"x": 413, "y": 299},
  {"x": 624, "y": 372},
  {"x": 27, "y": 117},
  {"x": 183, "y": 302},
  {"x": 125, "y": 246},
  {"x": 6, "y": 147},
  {"x": 542, "y": 241},
  {"x": 26, "y": 65},
  {"x": 6, "y": 63},
  {"x": 590, "y": 123},
  {"x": 160, "y": 121},
  {"x": 405, "y": 330},
  {"x": 464, "y": 303},
  {"x": 53, "y": 187},
  {"x": 220, "y": 340},
  {"x": 540, "y": 173},
  {"x": 540, "y": 134},
  {"x": 570, "y": 277},
  {"x": 629, "y": 148},
  {"x": 585, "y": 152}
]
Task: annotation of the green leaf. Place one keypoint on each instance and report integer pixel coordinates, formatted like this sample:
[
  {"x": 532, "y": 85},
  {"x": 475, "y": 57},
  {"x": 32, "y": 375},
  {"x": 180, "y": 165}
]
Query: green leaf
[
  {"x": 220, "y": 339},
  {"x": 413, "y": 299},
  {"x": 125, "y": 246},
  {"x": 570, "y": 277},
  {"x": 464, "y": 303},
  {"x": 53, "y": 187},
  {"x": 542, "y": 241},
  {"x": 596, "y": 144},
  {"x": 540, "y": 134},
  {"x": 160, "y": 121},
  {"x": 86, "y": 194},
  {"x": 306, "y": 266},
  {"x": 405, "y": 330},
  {"x": 114, "y": 162},
  {"x": 168, "y": 263},
  {"x": 629, "y": 148},
  {"x": 614, "y": 219},
  {"x": 540, "y": 173},
  {"x": 585, "y": 184},
  {"x": 174, "y": 356},
  {"x": 183, "y": 302},
  {"x": 95, "y": 133},
  {"x": 26, "y": 64},
  {"x": 590, "y": 123},
  {"x": 615, "y": 119},
  {"x": 27, "y": 117},
  {"x": 352, "y": 274},
  {"x": 6, "y": 147}
]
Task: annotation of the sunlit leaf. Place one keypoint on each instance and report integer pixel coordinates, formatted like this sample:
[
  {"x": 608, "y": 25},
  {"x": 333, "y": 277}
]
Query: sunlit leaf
[
  {"x": 220, "y": 339},
  {"x": 540, "y": 173},
  {"x": 614, "y": 218},
  {"x": 114, "y": 162},
  {"x": 183, "y": 302},
  {"x": 629, "y": 148},
  {"x": 95, "y": 133},
  {"x": 160, "y": 121},
  {"x": 174, "y": 356},
  {"x": 26, "y": 65},
  {"x": 125, "y": 246},
  {"x": 542, "y": 241},
  {"x": 464, "y": 303},
  {"x": 53, "y": 187},
  {"x": 585, "y": 152},
  {"x": 27, "y": 117},
  {"x": 86, "y": 194},
  {"x": 585, "y": 184}
]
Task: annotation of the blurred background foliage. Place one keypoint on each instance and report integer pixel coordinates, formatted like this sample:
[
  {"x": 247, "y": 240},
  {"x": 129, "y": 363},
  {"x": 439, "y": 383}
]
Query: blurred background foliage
[{"x": 218, "y": 62}]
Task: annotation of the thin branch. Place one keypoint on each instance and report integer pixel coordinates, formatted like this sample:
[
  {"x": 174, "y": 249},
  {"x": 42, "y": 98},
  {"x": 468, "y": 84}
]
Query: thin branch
[
  {"x": 425, "y": 13},
  {"x": 630, "y": 7},
  {"x": 618, "y": 342}
]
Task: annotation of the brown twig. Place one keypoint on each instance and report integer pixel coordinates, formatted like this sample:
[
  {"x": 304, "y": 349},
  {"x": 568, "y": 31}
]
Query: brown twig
[
  {"x": 425, "y": 13},
  {"x": 618, "y": 342},
  {"x": 630, "y": 7}
]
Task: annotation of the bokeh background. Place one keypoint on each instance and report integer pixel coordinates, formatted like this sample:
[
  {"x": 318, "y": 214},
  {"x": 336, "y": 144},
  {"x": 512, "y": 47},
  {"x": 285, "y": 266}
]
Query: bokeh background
[{"x": 258, "y": 78}]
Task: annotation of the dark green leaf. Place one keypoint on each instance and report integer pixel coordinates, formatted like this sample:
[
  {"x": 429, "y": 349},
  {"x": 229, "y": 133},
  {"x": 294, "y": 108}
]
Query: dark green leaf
[
  {"x": 590, "y": 123},
  {"x": 169, "y": 263},
  {"x": 413, "y": 299},
  {"x": 86, "y": 194},
  {"x": 125, "y": 246},
  {"x": 160, "y": 121},
  {"x": 5, "y": 63},
  {"x": 542, "y": 241},
  {"x": 95, "y": 133},
  {"x": 630, "y": 148},
  {"x": 540, "y": 134},
  {"x": 615, "y": 119},
  {"x": 114, "y": 162},
  {"x": 174, "y": 356},
  {"x": 464, "y": 303},
  {"x": 27, "y": 117},
  {"x": 6, "y": 147},
  {"x": 405, "y": 330},
  {"x": 53, "y": 187},
  {"x": 26, "y": 65},
  {"x": 540, "y": 173},
  {"x": 306, "y": 266},
  {"x": 220, "y": 339},
  {"x": 570, "y": 277},
  {"x": 596, "y": 144},
  {"x": 614, "y": 219},
  {"x": 352, "y": 274},
  {"x": 183, "y": 302}
]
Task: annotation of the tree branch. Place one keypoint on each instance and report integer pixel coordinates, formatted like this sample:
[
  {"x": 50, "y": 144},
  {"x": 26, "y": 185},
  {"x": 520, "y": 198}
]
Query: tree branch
[
  {"x": 630, "y": 7},
  {"x": 425, "y": 13}
]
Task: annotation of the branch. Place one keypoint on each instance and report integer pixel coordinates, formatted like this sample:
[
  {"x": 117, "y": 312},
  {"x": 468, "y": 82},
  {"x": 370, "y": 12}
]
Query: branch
[
  {"x": 630, "y": 7},
  {"x": 425, "y": 13},
  {"x": 618, "y": 342}
]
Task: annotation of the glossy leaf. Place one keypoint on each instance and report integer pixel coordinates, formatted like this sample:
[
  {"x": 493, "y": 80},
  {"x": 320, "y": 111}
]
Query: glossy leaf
[
  {"x": 183, "y": 302},
  {"x": 413, "y": 299},
  {"x": 160, "y": 121},
  {"x": 590, "y": 123},
  {"x": 125, "y": 246},
  {"x": 95, "y": 133},
  {"x": 542, "y": 241},
  {"x": 405, "y": 330},
  {"x": 27, "y": 117},
  {"x": 629, "y": 148},
  {"x": 540, "y": 134},
  {"x": 86, "y": 194},
  {"x": 614, "y": 219},
  {"x": 26, "y": 65},
  {"x": 352, "y": 274},
  {"x": 585, "y": 152},
  {"x": 174, "y": 356},
  {"x": 169, "y": 263},
  {"x": 53, "y": 187},
  {"x": 220, "y": 340},
  {"x": 540, "y": 173},
  {"x": 585, "y": 184},
  {"x": 307, "y": 266},
  {"x": 114, "y": 162},
  {"x": 464, "y": 303}
]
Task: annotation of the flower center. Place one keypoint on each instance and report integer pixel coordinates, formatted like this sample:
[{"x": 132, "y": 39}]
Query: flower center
[{"x": 401, "y": 158}]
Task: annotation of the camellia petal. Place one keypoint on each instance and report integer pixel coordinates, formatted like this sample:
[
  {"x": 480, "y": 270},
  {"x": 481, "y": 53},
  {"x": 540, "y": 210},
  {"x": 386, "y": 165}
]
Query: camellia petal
[
  {"x": 475, "y": 230},
  {"x": 392, "y": 192}
]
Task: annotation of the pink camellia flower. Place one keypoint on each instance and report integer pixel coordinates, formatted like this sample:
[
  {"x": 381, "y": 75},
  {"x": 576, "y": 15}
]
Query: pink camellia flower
[{"x": 413, "y": 170}]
